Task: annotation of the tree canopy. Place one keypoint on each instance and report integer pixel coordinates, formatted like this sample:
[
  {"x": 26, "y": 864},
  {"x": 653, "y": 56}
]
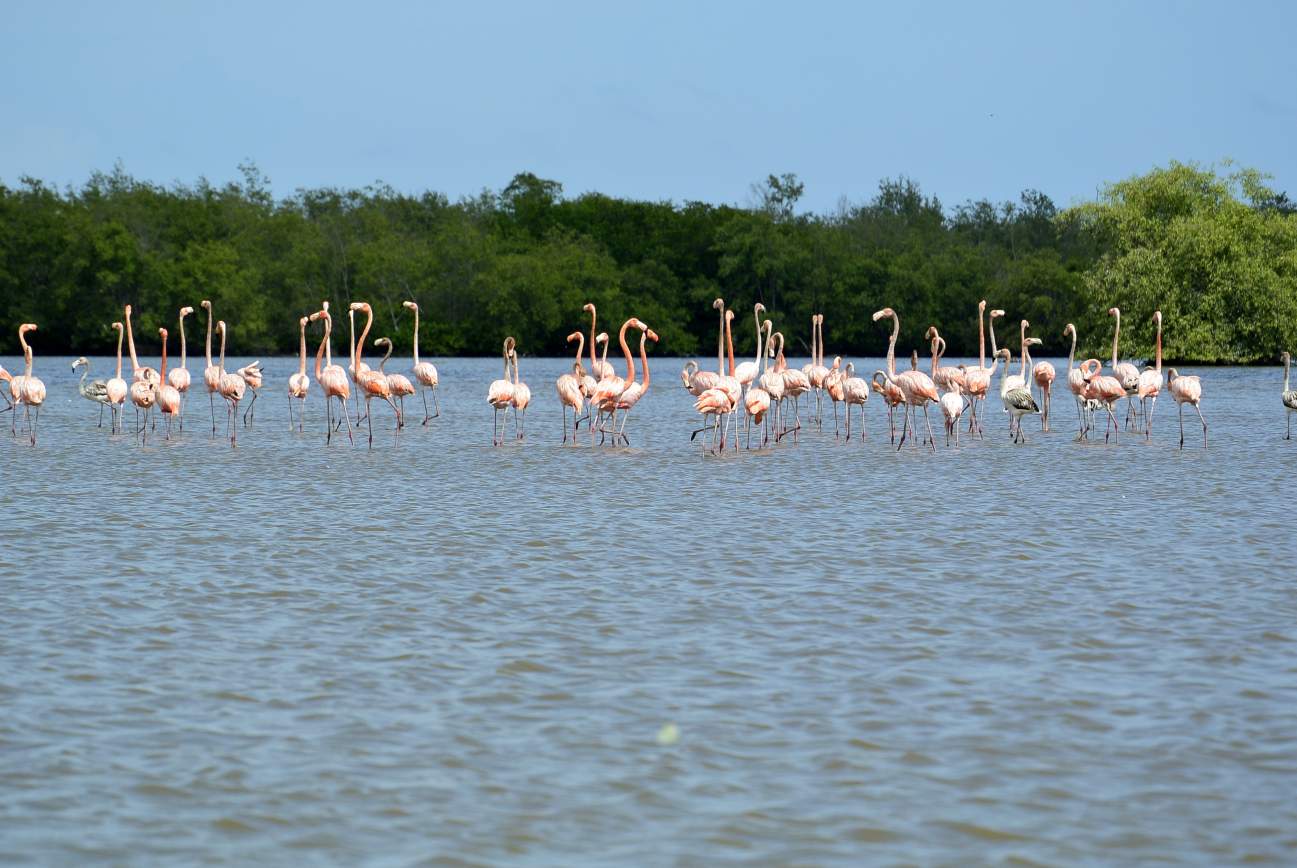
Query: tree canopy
[{"x": 1215, "y": 252}]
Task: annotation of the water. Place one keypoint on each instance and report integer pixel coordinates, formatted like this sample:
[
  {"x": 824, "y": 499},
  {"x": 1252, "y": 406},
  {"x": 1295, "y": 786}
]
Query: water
[{"x": 437, "y": 652}]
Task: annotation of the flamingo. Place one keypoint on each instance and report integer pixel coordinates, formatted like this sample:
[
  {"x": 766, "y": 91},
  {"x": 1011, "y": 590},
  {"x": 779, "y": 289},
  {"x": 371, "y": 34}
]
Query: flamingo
[
  {"x": 588, "y": 382},
  {"x": 6, "y": 377},
  {"x": 568, "y": 387},
  {"x": 855, "y": 391},
  {"x": 977, "y": 381},
  {"x": 139, "y": 373},
  {"x": 611, "y": 386},
  {"x": 211, "y": 373},
  {"x": 599, "y": 369},
  {"x": 1126, "y": 373},
  {"x": 373, "y": 383},
  {"x": 399, "y": 384},
  {"x": 796, "y": 384},
  {"x": 425, "y": 373},
  {"x": 1043, "y": 374},
  {"x": 756, "y": 401},
  {"x": 500, "y": 395},
  {"x": 746, "y": 373},
  {"x": 168, "y": 396},
  {"x": 952, "y": 407},
  {"x": 179, "y": 377},
  {"x": 1017, "y": 398},
  {"x": 687, "y": 374},
  {"x": 945, "y": 377},
  {"x": 31, "y": 390},
  {"x": 1075, "y": 381},
  {"x": 816, "y": 372},
  {"x": 521, "y": 398},
  {"x": 299, "y": 384},
  {"x": 917, "y": 388},
  {"x": 1104, "y": 391},
  {"x": 729, "y": 382},
  {"x": 116, "y": 387},
  {"x": 332, "y": 379},
  {"x": 771, "y": 381},
  {"x": 355, "y": 367},
  {"x": 891, "y": 392},
  {"x": 1289, "y": 396},
  {"x": 1185, "y": 390},
  {"x": 1013, "y": 382},
  {"x": 252, "y": 375},
  {"x": 635, "y": 391},
  {"x": 232, "y": 388},
  {"x": 1150, "y": 382},
  {"x": 833, "y": 388},
  {"x": 1018, "y": 380},
  {"x": 96, "y": 391}
]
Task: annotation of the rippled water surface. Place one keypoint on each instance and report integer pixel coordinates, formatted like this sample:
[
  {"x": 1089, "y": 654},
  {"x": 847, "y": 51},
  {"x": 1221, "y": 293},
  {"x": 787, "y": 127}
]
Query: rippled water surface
[{"x": 437, "y": 652}]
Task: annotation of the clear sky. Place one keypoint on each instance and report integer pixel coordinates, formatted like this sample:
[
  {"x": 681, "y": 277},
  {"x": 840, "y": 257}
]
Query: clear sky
[{"x": 660, "y": 100}]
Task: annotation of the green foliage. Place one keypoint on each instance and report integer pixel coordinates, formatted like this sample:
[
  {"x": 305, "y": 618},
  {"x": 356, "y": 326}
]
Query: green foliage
[{"x": 1216, "y": 253}]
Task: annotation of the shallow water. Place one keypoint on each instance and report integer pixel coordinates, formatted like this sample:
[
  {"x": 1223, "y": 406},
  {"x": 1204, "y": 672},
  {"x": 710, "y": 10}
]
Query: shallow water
[{"x": 438, "y": 652}]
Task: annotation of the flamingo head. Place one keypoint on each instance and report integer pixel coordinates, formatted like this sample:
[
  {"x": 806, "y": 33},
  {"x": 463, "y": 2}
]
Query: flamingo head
[
  {"x": 382, "y": 342},
  {"x": 589, "y": 308},
  {"x": 729, "y": 316},
  {"x": 509, "y": 344},
  {"x": 220, "y": 326},
  {"x": 1113, "y": 311},
  {"x": 996, "y": 313},
  {"x": 1284, "y": 357},
  {"x": 128, "y": 311},
  {"x": 1069, "y": 329},
  {"x": 1157, "y": 317},
  {"x": 651, "y": 335},
  {"x": 759, "y": 308},
  {"x": 1005, "y": 353},
  {"x": 359, "y": 305},
  {"x": 81, "y": 361},
  {"x": 319, "y": 314},
  {"x": 639, "y": 324},
  {"x": 718, "y": 304},
  {"x": 931, "y": 333},
  {"x": 601, "y": 338},
  {"x": 837, "y": 362},
  {"x": 1025, "y": 325},
  {"x": 303, "y": 321},
  {"x": 205, "y": 305},
  {"x": 879, "y": 314},
  {"x": 411, "y": 305},
  {"x": 574, "y": 336},
  {"x": 185, "y": 311},
  {"x": 981, "y": 306},
  {"x": 25, "y": 328},
  {"x": 117, "y": 326},
  {"x": 1090, "y": 369},
  {"x": 162, "y": 333}
]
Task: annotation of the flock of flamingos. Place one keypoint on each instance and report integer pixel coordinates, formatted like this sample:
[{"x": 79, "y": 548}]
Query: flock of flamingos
[{"x": 763, "y": 388}]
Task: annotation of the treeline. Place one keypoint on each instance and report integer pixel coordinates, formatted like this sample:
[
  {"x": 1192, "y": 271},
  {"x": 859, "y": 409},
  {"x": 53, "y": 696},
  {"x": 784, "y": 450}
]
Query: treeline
[{"x": 1217, "y": 253}]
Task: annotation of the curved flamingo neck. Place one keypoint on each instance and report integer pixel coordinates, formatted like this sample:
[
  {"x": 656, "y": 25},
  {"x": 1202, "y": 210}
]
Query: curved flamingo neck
[
  {"x": 643, "y": 360},
  {"x": 416, "y": 335},
  {"x": 1116, "y": 333},
  {"x": 765, "y": 355},
  {"x": 729, "y": 341},
  {"x": 625, "y": 348},
  {"x": 319, "y": 354},
  {"x": 301, "y": 365},
  {"x": 209, "y": 339},
  {"x": 382, "y": 365},
  {"x": 1158, "y": 364},
  {"x": 27, "y": 353},
  {"x": 360, "y": 344},
  {"x": 891, "y": 345},
  {"x": 130, "y": 341},
  {"x": 603, "y": 359},
  {"x": 184, "y": 357},
  {"x": 981, "y": 336}
]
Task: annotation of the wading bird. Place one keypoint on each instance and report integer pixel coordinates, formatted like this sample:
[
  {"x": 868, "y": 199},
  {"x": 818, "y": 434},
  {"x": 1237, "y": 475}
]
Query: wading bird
[
  {"x": 31, "y": 391},
  {"x": 211, "y": 373},
  {"x": 332, "y": 378},
  {"x": 372, "y": 383},
  {"x": 425, "y": 373},
  {"x": 232, "y": 388},
  {"x": 117, "y": 388},
  {"x": 1289, "y": 396},
  {"x": 168, "y": 395},
  {"x": 95, "y": 390},
  {"x": 1186, "y": 390},
  {"x": 1126, "y": 373},
  {"x": 299, "y": 384},
  {"x": 179, "y": 377},
  {"x": 1150, "y": 381},
  {"x": 399, "y": 384},
  {"x": 500, "y": 395}
]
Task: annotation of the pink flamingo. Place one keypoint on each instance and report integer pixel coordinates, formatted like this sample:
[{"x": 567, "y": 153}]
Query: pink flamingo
[
  {"x": 917, "y": 388},
  {"x": 771, "y": 381},
  {"x": 31, "y": 391},
  {"x": 945, "y": 377},
  {"x": 117, "y": 388},
  {"x": 756, "y": 401},
  {"x": 500, "y": 395},
  {"x": 1184, "y": 390},
  {"x": 139, "y": 373},
  {"x": 568, "y": 387},
  {"x": 299, "y": 384},
  {"x": 816, "y": 372},
  {"x": 796, "y": 384},
  {"x": 890, "y": 392},
  {"x": 144, "y": 386},
  {"x": 179, "y": 377},
  {"x": 355, "y": 367},
  {"x": 855, "y": 392},
  {"x": 168, "y": 395},
  {"x": 599, "y": 369},
  {"x": 232, "y": 388},
  {"x": 1075, "y": 382},
  {"x": 1104, "y": 390},
  {"x": 746, "y": 373},
  {"x": 952, "y": 407},
  {"x": 372, "y": 383},
  {"x": 1150, "y": 382},
  {"x": 635, "y": 391},
  {"x": 833, "y": 388},
  {"x": 977, "y": 381},
  {"x": 1043, "y": 374},
  {"x": 729, "y": 382},
  {"x": 588, "y": 382},
  {"x": 1126, "y": 373},
  {"x": 425, "y": 373},
  {"x": 521, "y": 398},
  {"x": 211, "y": 373},
  {"x": 252, "y": 375},
  {"x": 399, "y": 384},
  {"x": 332, "y": 379},
  {"x": 611, "y": 386}
]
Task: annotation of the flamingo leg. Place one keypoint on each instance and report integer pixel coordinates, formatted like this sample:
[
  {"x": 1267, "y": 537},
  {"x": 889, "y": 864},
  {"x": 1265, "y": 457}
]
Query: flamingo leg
[
  {"x": 290, "y": 412},
  {"x": 1148, "y": 418},
  {"x": 1195, "y": 407},
  {"x": 436, "y": 404},
  {"x": 343, "y": 402},
  {"x": 371, "y": 423},
  {"x": 31, "y": 426},
  {"x": 1181, "y": 426},
  {"x": 424, "y": 393},
  {"x": 211, "y": 401}
]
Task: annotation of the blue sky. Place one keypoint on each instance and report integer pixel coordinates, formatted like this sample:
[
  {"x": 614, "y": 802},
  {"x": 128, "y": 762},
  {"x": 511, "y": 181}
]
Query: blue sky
[{"x": 659, "y": 100}]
